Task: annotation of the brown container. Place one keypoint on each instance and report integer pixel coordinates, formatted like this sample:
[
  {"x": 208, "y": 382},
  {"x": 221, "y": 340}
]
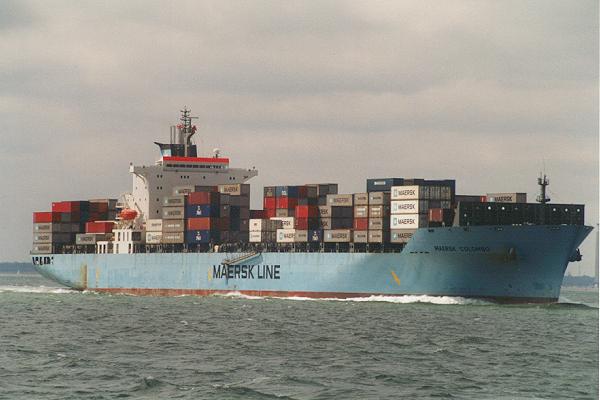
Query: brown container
[
  {"x": 336, "y": 200},
  {"x": 360, "y": 236},
  {"x": 173, "y": 225},
  {"x": 379, "y": 236},
  {"x": 172, "y": 237},
  {"x": 379, "y": 211},
  {"x": 361, "y": 199}
]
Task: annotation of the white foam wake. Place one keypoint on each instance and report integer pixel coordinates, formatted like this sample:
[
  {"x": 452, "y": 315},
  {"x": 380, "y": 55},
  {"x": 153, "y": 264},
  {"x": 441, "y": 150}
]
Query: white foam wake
[
  {"x": 405, "y": 299},
  {"x": 35, "y": 289}
]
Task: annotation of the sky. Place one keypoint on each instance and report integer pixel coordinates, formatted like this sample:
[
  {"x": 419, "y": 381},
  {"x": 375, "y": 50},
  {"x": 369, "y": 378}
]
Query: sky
[{"x": 486, "y": 92}]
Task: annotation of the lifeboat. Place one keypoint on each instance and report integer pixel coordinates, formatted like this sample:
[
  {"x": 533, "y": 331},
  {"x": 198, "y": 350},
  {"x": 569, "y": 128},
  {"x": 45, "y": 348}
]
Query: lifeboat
[{"x": 128, "y": 214}]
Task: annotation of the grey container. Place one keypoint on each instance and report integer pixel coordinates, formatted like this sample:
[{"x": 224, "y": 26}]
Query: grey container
[
  {"x": 90, "y": 238},
  {"x": 174, "y": 201},
  {"x": 187, "y": 189},
  {"x": 401, "y": 235},
  {"x": 173, "y": 213},
  {"x": 41, "y": 248},
  {"x": 379, "y": 223},
  {"x": 337, "y": 236},
  {"x": 379, "y": 198}
]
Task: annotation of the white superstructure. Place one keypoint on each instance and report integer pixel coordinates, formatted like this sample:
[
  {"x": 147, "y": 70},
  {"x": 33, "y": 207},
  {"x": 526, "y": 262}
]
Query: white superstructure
[{"x": 179, "y": 167}]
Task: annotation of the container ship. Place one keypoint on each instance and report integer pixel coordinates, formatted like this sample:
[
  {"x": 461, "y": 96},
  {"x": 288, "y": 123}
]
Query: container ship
[{"x": 187, "y": 228}]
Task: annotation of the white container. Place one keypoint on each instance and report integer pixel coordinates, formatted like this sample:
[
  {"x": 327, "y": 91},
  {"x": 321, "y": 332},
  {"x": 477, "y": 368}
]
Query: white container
[
  {"x": 325, "y": 211},
  {"x": 337, "y": 236},
  {"x": 286, "y": 222},
  {"x": 361, "y": 211},
  {"x": 154, "y": 225},
  {"x": 360, "y": 236},
  {"x": 339, "y": 200},
  {"x": 286, "y": 235},
  {"x": 507, "y": 197},
  {"x": 409, "y": 206},
  {"x": 408, "y": 221},
  {"x": 401, "y": 235},
  {"x": 409, "y": 192},
  {"x": 256, "y": 224},
  {"x": 255, "y": 237},
  {"x": 154, "y": 237}
]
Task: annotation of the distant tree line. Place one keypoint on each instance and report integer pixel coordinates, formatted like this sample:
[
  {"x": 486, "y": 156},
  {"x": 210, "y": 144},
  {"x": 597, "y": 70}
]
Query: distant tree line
[{"x": 16, "y": 267}]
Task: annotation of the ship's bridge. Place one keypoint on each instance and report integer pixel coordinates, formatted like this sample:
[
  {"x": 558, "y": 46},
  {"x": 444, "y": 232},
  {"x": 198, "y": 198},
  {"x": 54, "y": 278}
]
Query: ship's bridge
[{"x": 195, "y": 163}]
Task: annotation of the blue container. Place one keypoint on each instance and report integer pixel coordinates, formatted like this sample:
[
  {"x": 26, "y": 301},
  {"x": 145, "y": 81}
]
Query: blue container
[
  {"x": 234, "y": 212},
  {"x": 201, "y": 236},
  {"x": 315, "y": 235},
  {"x": 286, "y": 191},
  {"x": 383, "y": 184},
  {"x": 204, "y": 210}
]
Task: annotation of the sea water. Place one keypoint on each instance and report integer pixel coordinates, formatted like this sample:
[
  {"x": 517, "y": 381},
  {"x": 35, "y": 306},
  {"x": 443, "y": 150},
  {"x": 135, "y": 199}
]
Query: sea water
[{"x": 59, "y": 344}]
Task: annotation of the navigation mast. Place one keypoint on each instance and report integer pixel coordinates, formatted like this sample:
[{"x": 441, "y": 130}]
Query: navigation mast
[{"x": 543, "y": 181}]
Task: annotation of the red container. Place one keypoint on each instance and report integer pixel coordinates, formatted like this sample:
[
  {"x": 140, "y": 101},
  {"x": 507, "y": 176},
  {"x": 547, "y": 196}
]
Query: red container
[
  {"x": 269, "y": 202},
  {"x": 270, "y": 212},
  {"x": 45, "y": 216},
  {"x": 202, "y": 198},
  {"x": 76, "y": 217},
  {"x": 66, "y": 206},
  {"x": 99, "y": 227},
  {"x": 302, "y": 192},
  {"x": 361, "y": 224},
  {"x": 101, "y": 207},
  {"x": 286, "y": 202},
  {"x": 259, "y": 214},
  {"x": 203, "y": 224},
  {"x": 436, "y": 214},
  {"x": 307, "y": 211}
]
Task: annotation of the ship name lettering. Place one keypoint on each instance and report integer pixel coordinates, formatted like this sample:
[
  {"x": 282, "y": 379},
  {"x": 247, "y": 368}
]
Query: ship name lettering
[
  {"x": 223, "y": 271},
  {"x": 444, "y": 248}
]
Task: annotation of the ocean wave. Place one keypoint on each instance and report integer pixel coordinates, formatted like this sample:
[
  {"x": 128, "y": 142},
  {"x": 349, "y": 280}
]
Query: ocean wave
[
  {"x": 404, "y": 299},
  {"x": 35, "y": 289}
]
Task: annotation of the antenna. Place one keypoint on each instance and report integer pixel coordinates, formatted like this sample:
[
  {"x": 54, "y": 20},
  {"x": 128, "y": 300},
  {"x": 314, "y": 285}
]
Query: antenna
[
  {"x": 186, "y": 128},
  {"x": 543, "y": 181}
]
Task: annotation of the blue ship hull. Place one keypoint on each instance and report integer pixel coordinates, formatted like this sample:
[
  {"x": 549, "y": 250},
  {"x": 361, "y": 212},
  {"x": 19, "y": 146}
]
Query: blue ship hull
[{"x": 505, "y": 263}]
